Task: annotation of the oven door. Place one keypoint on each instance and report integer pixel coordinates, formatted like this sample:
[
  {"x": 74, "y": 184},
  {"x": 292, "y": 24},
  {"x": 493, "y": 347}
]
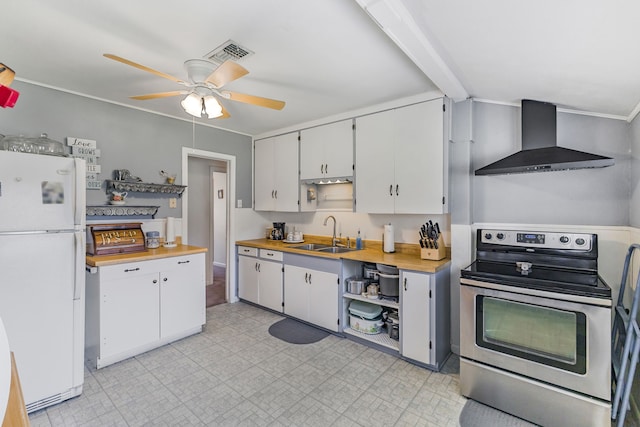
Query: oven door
[{"x": 538, "y": 335}]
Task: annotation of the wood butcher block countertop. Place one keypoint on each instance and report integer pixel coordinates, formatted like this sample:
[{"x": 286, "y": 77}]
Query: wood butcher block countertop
[
  {"x": 149, "y": 254},
  {"x": 407, "y": 256}
]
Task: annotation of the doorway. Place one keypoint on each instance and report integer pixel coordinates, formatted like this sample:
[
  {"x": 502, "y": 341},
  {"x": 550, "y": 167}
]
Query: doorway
[
  {"x": 216, "y": 285},
  {"x": 207, "y": 216}
]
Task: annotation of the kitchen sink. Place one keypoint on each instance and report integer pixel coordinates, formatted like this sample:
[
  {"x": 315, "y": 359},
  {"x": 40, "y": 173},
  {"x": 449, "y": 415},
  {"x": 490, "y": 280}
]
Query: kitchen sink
[
  {"x": 336, "y": 249},
  {"x": 319, "y": 247},
  {"x": 311, "y": 246}
]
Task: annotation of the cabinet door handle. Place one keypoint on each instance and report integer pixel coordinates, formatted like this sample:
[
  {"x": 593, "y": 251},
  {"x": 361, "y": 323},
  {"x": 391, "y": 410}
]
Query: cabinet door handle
[
  {"x": 258, "y": 267},
  {"x": 272, "y": 194},
  {"x": 129, "y": 270},
  {"x": 155, "y": 281},
  {"x": 306, "y": 277},
  {"x": 276, "y": 194},
  {"x": 391, "y": 190},
  {"x": 397, "y": 192},
  {"x": 309, "y": 278},
  {"x": 184, "y": 262},
  {"x": 405, "y": 283},
  {"x": 255, "y": 267},
  {"x": 326, "y": 168},
  {"x": 164, "y": 279},
  {"x": 245, "y": 250},
  {"x": 321, "y": 168}
]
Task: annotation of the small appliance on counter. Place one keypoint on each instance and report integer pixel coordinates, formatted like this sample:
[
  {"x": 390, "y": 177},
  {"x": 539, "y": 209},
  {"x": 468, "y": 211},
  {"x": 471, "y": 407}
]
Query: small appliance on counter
[
  {"x": 109, "y": 239},
  {"x": 278, "y": 232}
]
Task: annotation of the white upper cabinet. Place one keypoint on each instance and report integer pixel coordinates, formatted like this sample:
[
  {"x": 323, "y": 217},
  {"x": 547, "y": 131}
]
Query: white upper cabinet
[
  {"x": 327, "y": 151},
  {"x": 276, "y": 173},
  {"x": 401, "y": 160}
]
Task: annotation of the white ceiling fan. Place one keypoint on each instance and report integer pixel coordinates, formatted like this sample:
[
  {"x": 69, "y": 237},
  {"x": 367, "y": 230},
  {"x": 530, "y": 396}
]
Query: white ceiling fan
[{"x": 204, "y": 87}]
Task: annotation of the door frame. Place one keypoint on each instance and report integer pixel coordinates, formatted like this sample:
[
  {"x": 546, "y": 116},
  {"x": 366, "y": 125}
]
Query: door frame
[{"x": 231, "y": 189}]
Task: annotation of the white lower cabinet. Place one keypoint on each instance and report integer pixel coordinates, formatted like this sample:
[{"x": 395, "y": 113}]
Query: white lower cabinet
[
  {"x": 425, "y": 317},
  {"x": 260, "y": 277},
  {"x": 416, "y": 316},
  {"x": 134, "y": 307},
  {"x": 311, "y": 290}
]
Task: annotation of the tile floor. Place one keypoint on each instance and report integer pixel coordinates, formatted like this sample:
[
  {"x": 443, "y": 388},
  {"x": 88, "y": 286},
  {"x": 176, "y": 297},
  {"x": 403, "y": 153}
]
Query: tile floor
[{"x": 235, "y": 373}]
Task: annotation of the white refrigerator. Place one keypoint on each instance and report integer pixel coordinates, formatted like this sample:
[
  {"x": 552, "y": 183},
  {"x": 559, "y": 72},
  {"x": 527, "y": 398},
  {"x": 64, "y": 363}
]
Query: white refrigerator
[{"x": 42, "y": 264}]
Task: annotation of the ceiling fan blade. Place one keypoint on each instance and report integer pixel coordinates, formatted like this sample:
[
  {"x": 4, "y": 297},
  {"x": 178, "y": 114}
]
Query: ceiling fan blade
[
  {"x": 254, "y": 100},
  {"x": 142, "y": 67},
  {"x": 225, "y": 113},
  {"x": 159, "y": 95},
  {"x": 227, "y": 72}
]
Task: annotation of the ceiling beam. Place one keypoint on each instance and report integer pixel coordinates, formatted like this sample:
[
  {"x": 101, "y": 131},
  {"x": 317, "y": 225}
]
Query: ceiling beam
[{"x": 396, "y": 21}]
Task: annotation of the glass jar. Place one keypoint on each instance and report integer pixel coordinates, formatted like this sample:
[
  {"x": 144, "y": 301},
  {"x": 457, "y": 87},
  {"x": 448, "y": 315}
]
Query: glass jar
[{"x": 153, "y": 239}]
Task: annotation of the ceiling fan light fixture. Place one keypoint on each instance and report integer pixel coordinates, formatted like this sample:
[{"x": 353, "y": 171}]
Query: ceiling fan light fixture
[
  {"x": 192, "y": 104},
  {"x": 211, "y": 107},
  {"x": 202, "y": 106}
]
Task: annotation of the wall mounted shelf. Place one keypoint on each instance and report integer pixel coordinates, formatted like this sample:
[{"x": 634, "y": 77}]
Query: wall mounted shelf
[
  {"x": 122, "y": 210},
  {"x": 144, "y": 187}
]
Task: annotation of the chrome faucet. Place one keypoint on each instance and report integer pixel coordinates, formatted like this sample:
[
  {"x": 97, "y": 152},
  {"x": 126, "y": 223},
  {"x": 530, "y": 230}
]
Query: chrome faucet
[{"x": 333, "y": 239}]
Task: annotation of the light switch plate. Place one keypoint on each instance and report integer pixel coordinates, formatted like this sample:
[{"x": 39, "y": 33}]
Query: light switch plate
[
  {"x": 173, "y": 202},
  {"x": 239, "y": 203}
]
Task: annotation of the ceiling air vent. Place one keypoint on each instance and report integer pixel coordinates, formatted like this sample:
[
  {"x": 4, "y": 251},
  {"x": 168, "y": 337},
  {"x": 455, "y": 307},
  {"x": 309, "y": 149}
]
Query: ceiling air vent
[{"x": 229, "y": 50}]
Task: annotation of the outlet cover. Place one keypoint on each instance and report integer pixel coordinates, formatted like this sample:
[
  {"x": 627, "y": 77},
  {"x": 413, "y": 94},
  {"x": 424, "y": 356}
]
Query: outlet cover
[
  {"x": 239, "y": 203},
  {"x": 173, "y": 202}
]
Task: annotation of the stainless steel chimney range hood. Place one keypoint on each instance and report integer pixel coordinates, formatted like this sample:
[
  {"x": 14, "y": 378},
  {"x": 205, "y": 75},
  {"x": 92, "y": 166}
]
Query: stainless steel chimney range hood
[{"x": 539, "y": 150}]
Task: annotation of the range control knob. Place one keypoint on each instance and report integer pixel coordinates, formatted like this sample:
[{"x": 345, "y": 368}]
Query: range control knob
[
  {"x": 488, "y": 236},
  {"x": 580, "y": 241},
  {"x": 564, "y": 239},
  {"x": 500, "y": 236}
]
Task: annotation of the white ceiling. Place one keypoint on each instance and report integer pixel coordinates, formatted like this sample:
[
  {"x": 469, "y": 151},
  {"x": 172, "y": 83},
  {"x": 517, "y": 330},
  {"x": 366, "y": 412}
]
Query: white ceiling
[{"x": 327, "y": 57}]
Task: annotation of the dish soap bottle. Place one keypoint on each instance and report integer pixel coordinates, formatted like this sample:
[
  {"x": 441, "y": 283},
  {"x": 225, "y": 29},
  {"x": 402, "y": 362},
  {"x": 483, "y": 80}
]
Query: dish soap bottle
[{"x": 358, "y": 241}]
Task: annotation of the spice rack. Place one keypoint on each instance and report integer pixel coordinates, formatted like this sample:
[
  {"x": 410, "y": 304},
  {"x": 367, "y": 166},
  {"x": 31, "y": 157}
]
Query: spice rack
[
  {"x": 111, "y": 210},
  {"x": 144, "y": 187}
]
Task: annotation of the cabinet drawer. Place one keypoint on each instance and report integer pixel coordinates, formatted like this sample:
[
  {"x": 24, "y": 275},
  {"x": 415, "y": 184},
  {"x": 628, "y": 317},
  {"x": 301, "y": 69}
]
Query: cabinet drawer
[
  {"x": 126, "y": 270},
  {"x": 185, "y": 262},
  {"x": 244, "y": 250},
  {"x": 269, "y": 254}
]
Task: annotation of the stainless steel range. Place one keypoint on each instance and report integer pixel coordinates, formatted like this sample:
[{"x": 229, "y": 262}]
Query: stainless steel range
[{"x": 535, "y": 327}]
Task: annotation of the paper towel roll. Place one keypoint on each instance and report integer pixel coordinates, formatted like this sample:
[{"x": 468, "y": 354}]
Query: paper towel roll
[
  {"x": 388, "y": 244},
  {"x": 170, "y": 236}
]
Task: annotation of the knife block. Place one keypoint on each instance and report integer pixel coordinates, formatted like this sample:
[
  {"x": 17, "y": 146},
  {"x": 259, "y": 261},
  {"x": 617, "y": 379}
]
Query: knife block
[{"x": 434, "y": 254}]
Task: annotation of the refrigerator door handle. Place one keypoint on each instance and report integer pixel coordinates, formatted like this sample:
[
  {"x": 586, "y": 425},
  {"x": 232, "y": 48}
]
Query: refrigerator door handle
[
  {"x": 79, "y": 247},
  {"x": 80, "y": 190}
]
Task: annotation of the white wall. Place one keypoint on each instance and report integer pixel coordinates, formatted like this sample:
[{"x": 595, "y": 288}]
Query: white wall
[
  {"x": 634, "y": 197},
  {"x": 586, "y": 197}
]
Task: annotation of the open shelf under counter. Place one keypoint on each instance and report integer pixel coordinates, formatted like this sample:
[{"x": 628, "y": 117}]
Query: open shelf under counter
[
  {"x": 382, "y": 302},
  {"x": 380, "y": 339}
]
